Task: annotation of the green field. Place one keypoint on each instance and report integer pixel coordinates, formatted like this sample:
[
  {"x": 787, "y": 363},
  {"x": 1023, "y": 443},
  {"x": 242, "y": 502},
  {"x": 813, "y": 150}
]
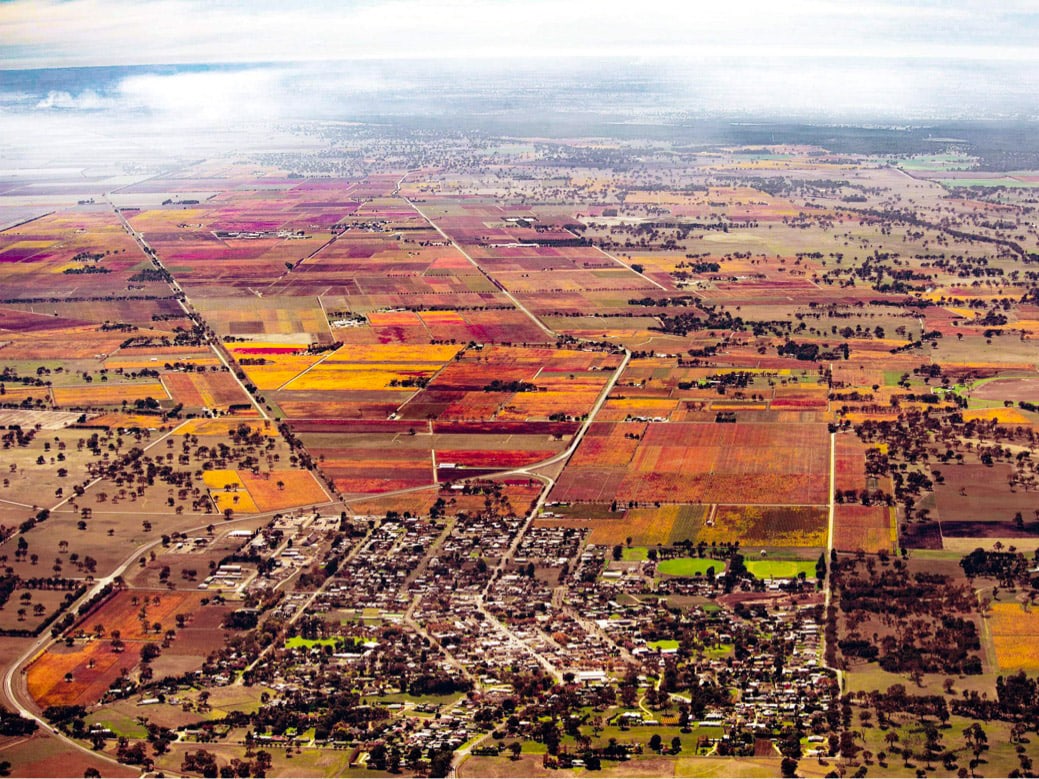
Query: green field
[
  {"x": 781, "y": 569},
  {"x": 1004, "y": 181},
  {"x": 664, "y": 643},
  {"x": 690, "y": 566},
  {"x": 298, "y": 641}
]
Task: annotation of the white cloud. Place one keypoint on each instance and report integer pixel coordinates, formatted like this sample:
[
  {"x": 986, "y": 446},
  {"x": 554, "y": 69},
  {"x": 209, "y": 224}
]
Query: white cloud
[
  {"x": 87, "y": 100},
  {"x": 82, "y": 32},
  {"x": 206, "y": 97}
]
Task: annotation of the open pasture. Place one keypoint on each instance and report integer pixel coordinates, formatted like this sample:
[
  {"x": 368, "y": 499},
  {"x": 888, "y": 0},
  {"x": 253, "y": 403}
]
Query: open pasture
[{"x": 980, "y": 494}]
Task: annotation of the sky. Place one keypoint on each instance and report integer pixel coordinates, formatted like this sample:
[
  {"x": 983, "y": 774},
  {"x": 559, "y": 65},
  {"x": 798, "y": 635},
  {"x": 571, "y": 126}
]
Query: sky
[
  {"x": 65, "y": 33},
  {"x": 836, "y": 59}
]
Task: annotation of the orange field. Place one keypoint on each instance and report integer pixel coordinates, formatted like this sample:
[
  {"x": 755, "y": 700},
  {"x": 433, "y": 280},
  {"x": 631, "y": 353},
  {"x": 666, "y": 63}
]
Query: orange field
[
  {"x": 1015, "y": 635},
  {"x": 278, "y": 369},
  {"x": 94, "y": 665},
  {"x": 121, "y": 613},
  {"x": 298, "y": 488},
  {"x": 16, "y": 394}
]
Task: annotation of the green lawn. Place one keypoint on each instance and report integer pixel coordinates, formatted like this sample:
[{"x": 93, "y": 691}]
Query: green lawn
[
  {"x": 781, "y": 569},
  {"x": 1004, "y": 181},
  {"x": 690, "y": 566},
  {"x": 298, "y": 641},
  {"x": 663, "y": 644}
]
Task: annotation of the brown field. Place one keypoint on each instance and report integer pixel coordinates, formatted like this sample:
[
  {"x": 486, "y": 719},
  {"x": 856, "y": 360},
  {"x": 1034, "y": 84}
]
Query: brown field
[
  {"x": 44, "y": 755},
  {"x": 1008, "y": 389},
  {"x": 120, "y": 612},
  {"x": 985, "y": 495},
  {"x": 212, "y": 390},
  {"x": 51, "y": 600},
  {"x": 869, "y": 528}
]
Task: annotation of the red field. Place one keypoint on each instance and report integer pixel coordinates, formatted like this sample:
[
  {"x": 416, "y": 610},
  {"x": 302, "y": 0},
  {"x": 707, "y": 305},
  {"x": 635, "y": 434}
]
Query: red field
[{"x": 705, "y": 463}]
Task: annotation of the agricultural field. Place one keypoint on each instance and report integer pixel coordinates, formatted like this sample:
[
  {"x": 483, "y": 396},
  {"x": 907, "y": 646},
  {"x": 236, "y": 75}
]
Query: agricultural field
[
  {"x": 393, "y": 449},
  {"x": 1015, "y": 631},
  {"x": 704, "y": 463}
]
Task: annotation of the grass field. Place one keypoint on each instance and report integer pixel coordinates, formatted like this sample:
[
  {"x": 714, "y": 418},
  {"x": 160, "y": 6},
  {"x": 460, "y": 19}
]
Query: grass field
[
  {"x": 690, "y": 566},
  {"x": 781, "y": 569}
]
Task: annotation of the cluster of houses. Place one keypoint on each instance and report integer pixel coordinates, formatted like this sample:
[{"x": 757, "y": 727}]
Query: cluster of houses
[{"x": 480, "y": 598}]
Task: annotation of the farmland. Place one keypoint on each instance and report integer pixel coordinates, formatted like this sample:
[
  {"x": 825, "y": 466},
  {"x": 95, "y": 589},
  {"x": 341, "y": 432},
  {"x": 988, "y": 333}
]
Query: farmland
[{"x": 407, "y": 450}]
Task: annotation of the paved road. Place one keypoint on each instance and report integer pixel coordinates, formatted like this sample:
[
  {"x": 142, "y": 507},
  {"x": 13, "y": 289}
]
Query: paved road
[
  {"x": 828, "y": 581},
  {"x": 184, "y": 303}
]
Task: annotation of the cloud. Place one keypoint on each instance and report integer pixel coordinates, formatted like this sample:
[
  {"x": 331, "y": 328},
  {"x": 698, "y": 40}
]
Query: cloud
[
  {"x": 207, "y": 97},
  {"x": 96, "y": 32},
  {"x": 87, "y": 100}
]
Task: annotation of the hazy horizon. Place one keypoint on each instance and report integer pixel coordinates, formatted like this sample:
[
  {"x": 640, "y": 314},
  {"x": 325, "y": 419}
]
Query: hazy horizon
[{"x": 806, "y": 59}]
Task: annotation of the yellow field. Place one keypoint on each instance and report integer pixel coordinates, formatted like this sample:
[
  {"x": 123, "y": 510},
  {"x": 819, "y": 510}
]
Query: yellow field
[
  {"x": 221, "y": 427},
  {"x": 1015, "y": 635},
  {"x": 441, "y": 317},
  {"x": 284, "y": 369},
  {"x": 228, "y": 491},
  {"x": 645, "y": 527},
  {"x": 662, "y": 405},
  {"x": 327, "y": 376},
  {"x": 107, "y": 394},
  {"x": 1006, "y": 416}
]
